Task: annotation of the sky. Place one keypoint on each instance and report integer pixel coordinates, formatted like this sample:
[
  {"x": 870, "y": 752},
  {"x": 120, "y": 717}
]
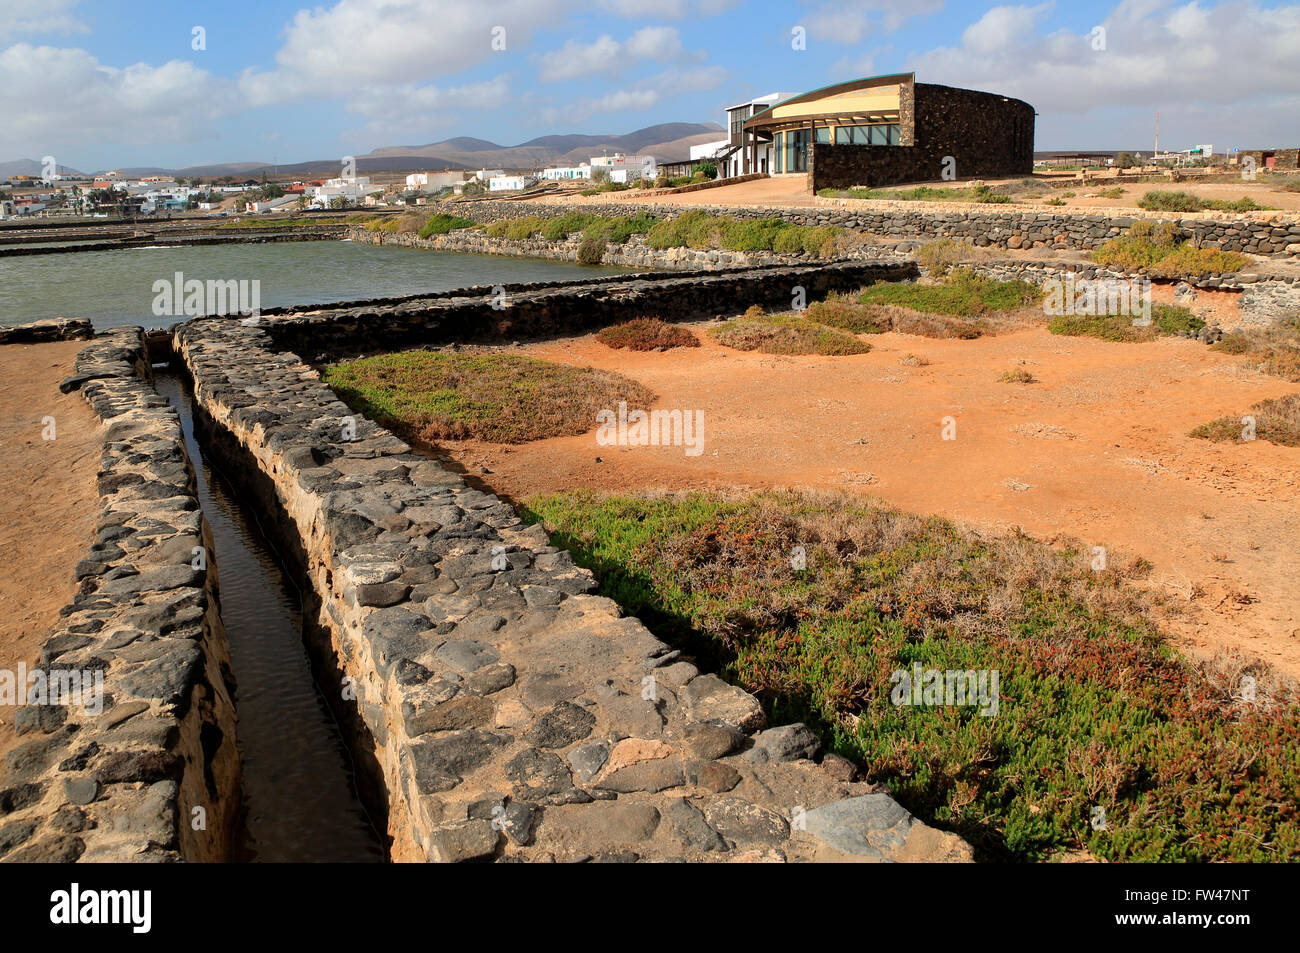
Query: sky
[{"x": 102, "y": 84}]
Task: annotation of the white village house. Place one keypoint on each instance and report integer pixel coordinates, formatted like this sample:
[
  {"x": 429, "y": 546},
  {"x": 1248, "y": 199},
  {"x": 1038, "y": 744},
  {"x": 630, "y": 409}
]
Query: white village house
[
  {"x": 625, "y": 168},
  {"x": 511, "y": 183},
  {"x": 566, "y": 172},
  {"x": 434, "y": 181},
  {"x": 354, "y": 188}
]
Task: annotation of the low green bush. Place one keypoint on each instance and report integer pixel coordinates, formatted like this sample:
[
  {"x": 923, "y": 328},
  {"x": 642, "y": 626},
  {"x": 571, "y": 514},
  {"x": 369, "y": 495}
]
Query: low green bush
[
  {"x": 591, "y": 251},
  {"x": 440, "y": 223},
  {"x": 1166, "y": 201}
]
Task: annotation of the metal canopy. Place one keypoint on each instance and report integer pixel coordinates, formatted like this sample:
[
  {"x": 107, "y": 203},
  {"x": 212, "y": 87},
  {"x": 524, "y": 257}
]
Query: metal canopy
[{"x": 824, "y": 119}]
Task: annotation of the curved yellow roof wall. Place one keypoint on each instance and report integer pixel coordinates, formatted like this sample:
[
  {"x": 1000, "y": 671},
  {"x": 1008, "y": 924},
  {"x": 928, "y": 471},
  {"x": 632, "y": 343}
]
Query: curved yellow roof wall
[{"x": 873, "y": 99}]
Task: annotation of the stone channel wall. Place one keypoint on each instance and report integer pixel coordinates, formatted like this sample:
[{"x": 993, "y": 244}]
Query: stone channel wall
[
  {"x": 632, "y": 254},
  {"x": 501, "y": 709},
  {"x": 311, "y": 233},
  {"x": 118, "y": 776},
  {"x": 334, "y": 331},
  {"x": 1276, "y": 234},
  {"x": 51, "y": 329}
]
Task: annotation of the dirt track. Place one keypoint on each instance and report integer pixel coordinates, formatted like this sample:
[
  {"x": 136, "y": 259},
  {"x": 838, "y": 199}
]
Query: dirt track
[
  {"x": 47, "y": 499},
  {"x": 1098, "y": 450}
]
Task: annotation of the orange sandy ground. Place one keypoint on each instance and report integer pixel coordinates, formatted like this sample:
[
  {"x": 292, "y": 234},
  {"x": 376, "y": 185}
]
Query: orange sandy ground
[
  {"x": 1098, "y": 450},
  {"x": 48, "y": 501}
]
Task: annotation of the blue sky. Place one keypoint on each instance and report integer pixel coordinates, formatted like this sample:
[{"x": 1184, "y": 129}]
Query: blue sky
[{"x": 109, "y": 83}]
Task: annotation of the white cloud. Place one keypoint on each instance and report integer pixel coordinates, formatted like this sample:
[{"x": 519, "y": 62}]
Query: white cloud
[
  {"x": 138, "y": 104},
  {"x": 402, "y": 112},
  {"x": 19, "y": 17},
  {"x": 654, "y": 43},
  {"x": 665, "y": 9},
  {"x": 1001, "y": 28},
  {"x": 1155, "y": 52},
  {"x": 338, "y": 50},
  {"x": 1230, "y": 67},
  {"x": 411, "y": 110},
  {"x": 579, "y": 59},
  {"x": 389, "y": 100},
  {"x": 608, "y": 55},
  {"x": 851, "y": 21},
  {"x": 642, "y": 95}
]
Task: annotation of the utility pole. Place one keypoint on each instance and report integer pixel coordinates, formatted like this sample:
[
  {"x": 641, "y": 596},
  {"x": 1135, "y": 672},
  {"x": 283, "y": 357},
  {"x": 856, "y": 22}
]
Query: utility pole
[{"x": 1157, "y": 152}]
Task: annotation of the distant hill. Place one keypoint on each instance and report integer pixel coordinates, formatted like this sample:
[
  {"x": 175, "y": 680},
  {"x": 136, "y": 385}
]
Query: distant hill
[
  {"x": 666, "y": 141},
  {"x": 29, "y": 167}
]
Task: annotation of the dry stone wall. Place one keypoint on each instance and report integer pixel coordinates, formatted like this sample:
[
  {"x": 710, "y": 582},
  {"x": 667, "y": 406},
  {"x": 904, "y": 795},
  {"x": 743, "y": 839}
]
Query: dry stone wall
[
  {"x": 527, "y": 312},
  {"x": 1275, "y": 234},
  {"x": 632, "y": 254},
  {"x": 501, "y": 709},
  {"x": 52, "y": 329},
  {"x": 117, "y": 772}
]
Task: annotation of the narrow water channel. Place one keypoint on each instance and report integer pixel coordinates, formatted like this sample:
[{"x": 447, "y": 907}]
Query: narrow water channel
[{"x": 299, "y": 793}]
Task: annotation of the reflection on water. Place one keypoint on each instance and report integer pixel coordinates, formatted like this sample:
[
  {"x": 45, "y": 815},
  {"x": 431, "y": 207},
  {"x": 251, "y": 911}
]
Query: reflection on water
[{"x": 299, "y": 797}]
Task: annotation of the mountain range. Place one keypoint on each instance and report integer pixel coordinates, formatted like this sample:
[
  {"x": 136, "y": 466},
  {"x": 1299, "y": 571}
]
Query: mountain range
[{"x": 666, "y": 142}]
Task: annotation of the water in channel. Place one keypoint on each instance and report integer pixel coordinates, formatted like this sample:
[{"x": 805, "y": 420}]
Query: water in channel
[{"x": 299, "y": 797}]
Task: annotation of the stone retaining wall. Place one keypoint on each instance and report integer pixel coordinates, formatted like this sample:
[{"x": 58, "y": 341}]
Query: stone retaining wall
[
  {"x": 504, "y": 711},
  {"x": 632, "y": 254},
  {"x": 712, "y": 183},
  {"x": 1276, "y": 234},
  {"x": 123, "y": 783},
  {"x": 1263, "y": 300},
  {"x": 1274, "y": 292},
  {"x": 331, "y": 332},
  {"x": 314, "y": 233},
  {"x": 51, "y": 329}
]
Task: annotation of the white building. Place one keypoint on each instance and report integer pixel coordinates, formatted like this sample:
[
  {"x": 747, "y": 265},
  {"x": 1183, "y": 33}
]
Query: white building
[
  {"x": 624, "y": 168},
  {"x": 354, "y": 188},
  {"x": 564, "y": 172},
  {"x": 736, "y": 161},
  {"x": 272, "y": 205},
  {"x": 510, "y": 183},
  {"x": 484, "y": 174},
  {"x": 710, "y": 150},
  {"x": 433, "y": 181}
]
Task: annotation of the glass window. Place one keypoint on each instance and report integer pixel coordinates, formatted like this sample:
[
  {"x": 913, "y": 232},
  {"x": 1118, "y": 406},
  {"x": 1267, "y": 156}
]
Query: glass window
[
  {"x": 777, "y": 144},
  {"x": 893, "y": 131},
  {"x": 822, "y": 135},
  {"x": 843, "y": 135},
  {"x": 880, "y": 135}
]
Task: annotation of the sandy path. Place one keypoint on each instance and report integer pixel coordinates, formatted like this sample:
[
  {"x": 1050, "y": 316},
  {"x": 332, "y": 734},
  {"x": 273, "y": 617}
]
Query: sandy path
[
  {"x": 48, "y": 501},
  {"x": 1097, "y": 450}
]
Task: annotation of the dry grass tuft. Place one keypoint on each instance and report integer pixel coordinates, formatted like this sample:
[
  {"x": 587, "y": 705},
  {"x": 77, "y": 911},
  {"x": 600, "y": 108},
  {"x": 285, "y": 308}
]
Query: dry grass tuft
[
  {"x": 1276, "y": 420},
  {"x": 647, "y": 334},
  {"x": 787, "y": 334}
]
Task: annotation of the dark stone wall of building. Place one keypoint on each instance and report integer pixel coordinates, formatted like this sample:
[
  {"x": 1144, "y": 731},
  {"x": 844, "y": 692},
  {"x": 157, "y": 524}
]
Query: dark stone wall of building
[
  {"x": 1282, "y": 158},
  {"x": 988, "y": 135}
]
